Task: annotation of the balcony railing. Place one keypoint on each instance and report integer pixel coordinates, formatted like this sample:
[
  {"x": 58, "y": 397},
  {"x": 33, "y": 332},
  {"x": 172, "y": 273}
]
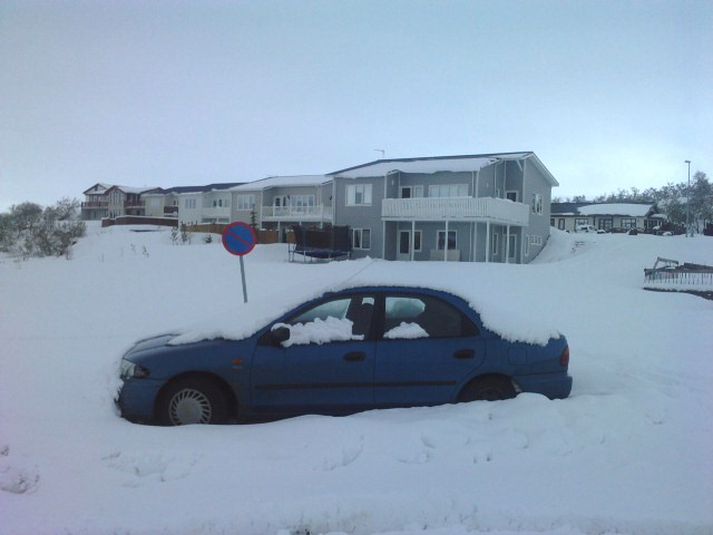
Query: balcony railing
[
  {"x": 297, "y": 213},
  {"x": 95, "y": 204},
  {"x": 456, "y": 209}
]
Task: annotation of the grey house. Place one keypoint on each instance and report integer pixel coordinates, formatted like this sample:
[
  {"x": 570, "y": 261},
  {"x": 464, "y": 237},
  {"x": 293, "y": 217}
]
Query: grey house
[
  {"x": 478, "y": 208},
  {"x": 278, "y": 202}
]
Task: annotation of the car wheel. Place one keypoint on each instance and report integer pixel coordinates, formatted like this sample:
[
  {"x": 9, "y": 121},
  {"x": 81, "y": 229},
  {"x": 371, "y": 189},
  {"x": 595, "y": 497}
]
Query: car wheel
[
  {"x": 490, "y": 388},
  {"x": 192, "y": 401}
]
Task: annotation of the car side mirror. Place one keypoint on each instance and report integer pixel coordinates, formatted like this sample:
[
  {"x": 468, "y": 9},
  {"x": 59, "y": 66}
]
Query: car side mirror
[{"x": 279, "y": 335}]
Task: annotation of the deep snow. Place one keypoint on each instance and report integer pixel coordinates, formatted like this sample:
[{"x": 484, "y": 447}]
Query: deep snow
[{"x": 629, "y": 451}]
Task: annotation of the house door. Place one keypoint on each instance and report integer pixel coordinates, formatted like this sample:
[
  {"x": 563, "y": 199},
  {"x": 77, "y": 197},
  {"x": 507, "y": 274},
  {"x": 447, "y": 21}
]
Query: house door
[{"x": 404, "y": 244}]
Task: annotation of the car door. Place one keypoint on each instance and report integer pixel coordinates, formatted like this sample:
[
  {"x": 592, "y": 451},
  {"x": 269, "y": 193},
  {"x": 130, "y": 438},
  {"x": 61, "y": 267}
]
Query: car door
[
  {"x": 326, "y": 365},
  {"x": 427, "y": 348}
]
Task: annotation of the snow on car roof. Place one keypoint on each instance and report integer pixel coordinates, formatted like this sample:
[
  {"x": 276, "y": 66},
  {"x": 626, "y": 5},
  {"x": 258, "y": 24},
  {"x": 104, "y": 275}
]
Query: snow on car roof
[
  {"x": 502, "y": 297},
  {"x": 634, "y": 210}
]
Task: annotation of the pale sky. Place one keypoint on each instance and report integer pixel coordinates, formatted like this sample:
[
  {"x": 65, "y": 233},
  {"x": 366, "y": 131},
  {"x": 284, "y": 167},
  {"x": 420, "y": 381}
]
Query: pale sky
[{"x": 608, "y": 94}]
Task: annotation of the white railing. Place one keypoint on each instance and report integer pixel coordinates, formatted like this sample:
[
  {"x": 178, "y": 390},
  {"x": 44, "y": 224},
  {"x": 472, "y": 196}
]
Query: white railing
[
  {"x": 457, "y": 208},
  {"x": 297, "y": 213}
]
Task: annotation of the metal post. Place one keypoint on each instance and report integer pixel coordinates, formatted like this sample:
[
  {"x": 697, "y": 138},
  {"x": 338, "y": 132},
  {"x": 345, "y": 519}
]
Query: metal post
[
  {"x": 413, "y": 238},
  {"x": 487, "y": 242},
  {"x": 445, "y": 245},
  {"x": 242, "y": 276},
  {"x": 688, "y": 202}
]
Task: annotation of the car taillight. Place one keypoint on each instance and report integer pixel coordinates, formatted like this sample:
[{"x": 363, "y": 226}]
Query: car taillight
[{"x": 564, "y": 357}]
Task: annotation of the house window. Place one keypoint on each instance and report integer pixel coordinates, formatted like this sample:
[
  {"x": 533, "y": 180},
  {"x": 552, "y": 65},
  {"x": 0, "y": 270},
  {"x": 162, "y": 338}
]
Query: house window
[
  {"x": 494, "y": 244},
  {"x": 189, "y": 204},
  {"x": 605, "y": 223},
  {"x": 408, "y": 192},
  {"x": 302, "y": 203},
  {"x": 154, "y": 202},
  {"x": 358, "y": 194},
  {"x": 535, "y": 240},
  {"x": 511, "y": 195},
  {"x": 245, "y": 202},
  {"x": 452, "y": 239},
  {"x": 361, "y": 238},
  {"x": 560, "y": 223},
  {"x": 552, "y": 221},
  {"x": 580, "y": 221},
  {"x": 536, "y": 205},
  {"x": 628, "y": 222},
  {"x": 448, "y": 190}
]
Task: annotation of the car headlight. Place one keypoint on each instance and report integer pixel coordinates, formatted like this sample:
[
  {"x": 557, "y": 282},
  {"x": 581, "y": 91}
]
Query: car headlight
[{"x": 130, "y": 369}]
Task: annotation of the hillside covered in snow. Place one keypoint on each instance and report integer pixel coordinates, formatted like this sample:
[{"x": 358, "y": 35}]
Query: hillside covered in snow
[{"x": 628, "y": 452}]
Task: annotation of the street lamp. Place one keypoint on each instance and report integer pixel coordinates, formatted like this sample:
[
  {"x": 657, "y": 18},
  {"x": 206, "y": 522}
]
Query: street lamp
[{"x": 688, "y": 201}]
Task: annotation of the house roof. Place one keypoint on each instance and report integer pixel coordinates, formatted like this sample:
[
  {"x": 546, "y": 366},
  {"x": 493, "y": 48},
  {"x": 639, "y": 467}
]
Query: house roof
[
  {"x": 625, "y": 209},
  {"x": 218, "y": 186},
  {"x": 434, "y": 164},
  {"x": 100, "y": 186},
  {"x": 283, "y": 181},
  {"x": 588, "y": 209},
  {"x": 129, "y": 189}
]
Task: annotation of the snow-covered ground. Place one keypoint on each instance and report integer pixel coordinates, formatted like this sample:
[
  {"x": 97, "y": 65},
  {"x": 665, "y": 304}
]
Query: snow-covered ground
[{"x": 631, "y": 451}]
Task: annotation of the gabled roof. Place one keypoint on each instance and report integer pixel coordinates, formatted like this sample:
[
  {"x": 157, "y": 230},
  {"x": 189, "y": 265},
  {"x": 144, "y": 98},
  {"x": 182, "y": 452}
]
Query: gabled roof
[
  {"x": 129, "y": 189},
  {"x": 100, "y": 186},
  {"x": 434, "y": 164},
  {"x": 283, "y": 181}
]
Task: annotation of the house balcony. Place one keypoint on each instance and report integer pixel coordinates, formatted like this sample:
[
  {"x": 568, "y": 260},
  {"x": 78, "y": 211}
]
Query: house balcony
[
  {"x": 94, "y": 205},
  {"x": 313, "y": 214},
  {"x": 481, "y": 209}
]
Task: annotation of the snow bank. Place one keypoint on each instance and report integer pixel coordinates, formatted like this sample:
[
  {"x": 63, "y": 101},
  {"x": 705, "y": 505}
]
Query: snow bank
[{"x": 628, "y": 452}]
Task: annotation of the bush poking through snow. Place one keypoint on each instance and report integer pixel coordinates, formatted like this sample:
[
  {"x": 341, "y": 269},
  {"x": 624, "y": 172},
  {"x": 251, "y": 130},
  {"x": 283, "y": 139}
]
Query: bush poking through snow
[{"x": 29, "y": 230}]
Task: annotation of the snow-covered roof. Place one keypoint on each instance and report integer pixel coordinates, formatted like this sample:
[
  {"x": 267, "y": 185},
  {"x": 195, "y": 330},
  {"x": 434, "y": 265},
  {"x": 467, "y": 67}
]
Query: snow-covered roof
[
  {"x": 625, "y": 209},
  {"x": 130, "y": 189},
  {"x": 382, "y": 167},
  {"x": 435, "y": 164},
  {"x": 283, "y": 181},
  {"x": 98, "y": 188}
]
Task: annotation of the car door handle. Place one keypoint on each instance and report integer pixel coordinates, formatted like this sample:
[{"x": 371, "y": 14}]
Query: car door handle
[
  {"x": 354, "y": 356},
  {"x": 464, "y": 354}
]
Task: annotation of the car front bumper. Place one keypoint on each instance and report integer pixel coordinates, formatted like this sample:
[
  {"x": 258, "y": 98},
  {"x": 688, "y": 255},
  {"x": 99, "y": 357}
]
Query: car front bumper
[
  {"x": 137, "y": 399},
  {"x": 552, "y": 385}
]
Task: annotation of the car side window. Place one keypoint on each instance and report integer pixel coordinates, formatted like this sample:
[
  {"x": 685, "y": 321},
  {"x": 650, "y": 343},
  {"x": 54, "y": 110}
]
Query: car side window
[
  {"x": 424, "y": 317},
  {"x": 341, "y": 319}
]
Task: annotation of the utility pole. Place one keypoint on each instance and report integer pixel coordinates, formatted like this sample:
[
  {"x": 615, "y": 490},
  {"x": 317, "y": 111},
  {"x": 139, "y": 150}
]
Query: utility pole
[{"x": 689, "y": 230}]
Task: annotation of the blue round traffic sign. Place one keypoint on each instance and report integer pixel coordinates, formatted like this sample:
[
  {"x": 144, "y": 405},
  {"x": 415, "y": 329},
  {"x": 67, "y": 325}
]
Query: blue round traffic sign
[{"x": 239, "y": 238}]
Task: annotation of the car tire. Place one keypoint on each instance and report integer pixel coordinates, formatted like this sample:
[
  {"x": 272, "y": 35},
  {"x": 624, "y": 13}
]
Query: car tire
[
  {"x": 490, "y": 388},
  {"x": 194, "y": 400}
]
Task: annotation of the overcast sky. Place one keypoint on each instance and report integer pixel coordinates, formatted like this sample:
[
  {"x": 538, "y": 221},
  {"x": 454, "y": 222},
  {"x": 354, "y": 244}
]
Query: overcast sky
[{"x": 608, "y": 94}]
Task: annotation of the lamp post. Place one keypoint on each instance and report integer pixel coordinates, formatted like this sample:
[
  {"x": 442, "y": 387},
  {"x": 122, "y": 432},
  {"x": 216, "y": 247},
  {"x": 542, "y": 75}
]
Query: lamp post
[{"x": 688, "y": 201}]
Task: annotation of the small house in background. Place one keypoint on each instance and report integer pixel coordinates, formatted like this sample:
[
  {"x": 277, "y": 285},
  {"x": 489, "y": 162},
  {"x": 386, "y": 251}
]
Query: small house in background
[
  {"x": 607, "y": 217},
  {"x": 110, "y": 200}
]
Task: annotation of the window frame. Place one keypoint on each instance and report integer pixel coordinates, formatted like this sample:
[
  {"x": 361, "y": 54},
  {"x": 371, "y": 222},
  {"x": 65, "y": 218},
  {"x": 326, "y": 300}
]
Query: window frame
[
  {"x": 351, "y": 191},
  {"x": 360, "y": 233},
  {"x": 469, "y": 328},
  {"x": 509, "y": 191},
  {"x": 245, "y": 196},
  {"x": 446, "y": 241}
]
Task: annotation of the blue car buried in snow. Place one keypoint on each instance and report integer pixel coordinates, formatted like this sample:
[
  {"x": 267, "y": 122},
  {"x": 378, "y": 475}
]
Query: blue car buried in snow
[{"x": 347, "y": 351}]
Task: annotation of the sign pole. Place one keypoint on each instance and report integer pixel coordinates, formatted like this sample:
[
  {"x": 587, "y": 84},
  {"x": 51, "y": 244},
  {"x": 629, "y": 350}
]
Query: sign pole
[
  {"x": 242, "y": 276},
  {"x": 239, "y": 239}
]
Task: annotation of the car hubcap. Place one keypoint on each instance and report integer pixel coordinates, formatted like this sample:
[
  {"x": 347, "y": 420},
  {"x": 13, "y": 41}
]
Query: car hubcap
[{"x": 189, "y": 406}]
